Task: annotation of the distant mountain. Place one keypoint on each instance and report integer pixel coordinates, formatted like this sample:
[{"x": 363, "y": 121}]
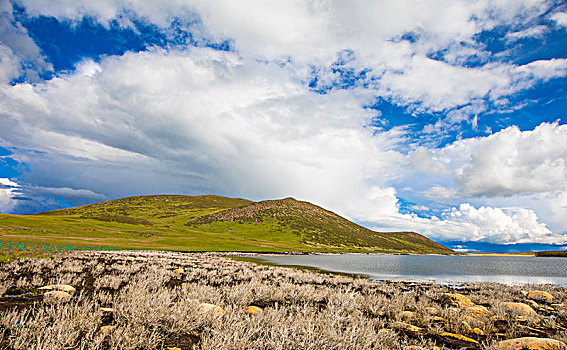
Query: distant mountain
[{"x": 209, "y": 223}]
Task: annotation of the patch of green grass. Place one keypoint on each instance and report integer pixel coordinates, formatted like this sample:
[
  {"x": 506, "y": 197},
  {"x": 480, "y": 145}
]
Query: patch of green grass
[{"x": 207, "y": 223}]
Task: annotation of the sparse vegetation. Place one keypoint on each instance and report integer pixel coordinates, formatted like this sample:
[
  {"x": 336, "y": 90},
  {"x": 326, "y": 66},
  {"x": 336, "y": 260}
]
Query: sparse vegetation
[
  {"x": 208, "y": 223},
  {"x": 135, "y": 300}
]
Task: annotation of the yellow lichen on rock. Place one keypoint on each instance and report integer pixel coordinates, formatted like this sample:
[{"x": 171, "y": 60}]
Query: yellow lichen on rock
[
  {"x": 531, "y": 343},
  {"x": 458, "y": 337},
  {"x": 252, "y": 310},
  {"x": 478, "y": 331},
  {"x": 402, "y": 326},
  {"x": 456, "y": 300},
  {"x": 519, "y": 308},
  {"x": 477, "y": 311},
  {"x": 539, "y": 295}
]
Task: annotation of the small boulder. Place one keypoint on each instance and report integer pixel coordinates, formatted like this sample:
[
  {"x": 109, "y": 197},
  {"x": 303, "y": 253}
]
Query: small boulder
[
  {"x": 211, "y": 309},
  {"x": 253, "y": 310},
  {"x": 519, "y": 308},
  {"x": 531, "y": 343},
  {"x": 456, "y": 300},
  {"x": 477, "y": 311},
  {"x": 62, "y": 287},
  {"x": 179, "y": 271},
  {"x": 56, "y": 296},
  {"x": 106, "y": 309},
  {"x": 539, "y": 295}
]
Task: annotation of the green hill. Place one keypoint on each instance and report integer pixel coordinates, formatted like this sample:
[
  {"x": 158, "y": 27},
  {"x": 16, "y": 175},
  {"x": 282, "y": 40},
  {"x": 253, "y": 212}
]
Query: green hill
[{"x": 208, "y": 223}]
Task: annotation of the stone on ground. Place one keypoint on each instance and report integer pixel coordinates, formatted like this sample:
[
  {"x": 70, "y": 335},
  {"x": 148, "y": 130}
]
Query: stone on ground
[
  {"x": 211, "y": 309},
  {"x": 539, "y": 295},
  {"x": 456, "y": 300},
  {"x": 252, "y": 310},
  {"x": 62, "y": 287},
  {"x": 520, "y": 308},
  {"x": 179, "y": 271},
  {"x": 531, "y": 343},
  {"x": 56, "y": 296}
]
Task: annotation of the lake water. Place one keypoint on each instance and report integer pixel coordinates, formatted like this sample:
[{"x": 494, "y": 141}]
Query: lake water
[{"x": 437, "y": 268}]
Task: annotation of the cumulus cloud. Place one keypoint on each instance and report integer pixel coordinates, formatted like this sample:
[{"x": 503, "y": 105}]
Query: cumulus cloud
[
  {"x": 513, "y": 162},
  {"x": 463, "y": 223}
]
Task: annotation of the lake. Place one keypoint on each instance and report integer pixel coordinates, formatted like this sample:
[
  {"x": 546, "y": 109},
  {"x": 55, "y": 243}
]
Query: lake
[{"x": 436, "y": 268}]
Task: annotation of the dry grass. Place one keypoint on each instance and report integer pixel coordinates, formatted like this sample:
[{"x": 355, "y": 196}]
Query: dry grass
[{"x": 155, "y": 308}]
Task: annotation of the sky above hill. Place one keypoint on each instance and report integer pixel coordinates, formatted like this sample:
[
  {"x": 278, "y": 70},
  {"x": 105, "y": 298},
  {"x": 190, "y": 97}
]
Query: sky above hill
[{"x": 443, "y": 117}]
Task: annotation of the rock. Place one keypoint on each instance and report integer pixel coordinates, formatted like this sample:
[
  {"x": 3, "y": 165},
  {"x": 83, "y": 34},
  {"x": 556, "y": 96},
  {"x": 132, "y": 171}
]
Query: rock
[
  {"x": 478, "y": 331},
  {"x": 211, "y": 309},
  {"x": 558, "y": 306},
  {"x": 179, "y": 271},
  {"x": 457, "y": 339},
  {"x": 531, "y": 343},
  {"x": 524, "y": 293},
  {"x": 173, "y": 348},
  {"x": 62, "y": 287},
  {"x": 457, "y": 300},
  {"x": 56, "y": 296},
  {"x": 539, "y": 295},
  {"x": 107, "y": 329},
  {"x": 477, "y": 311},
  {"x": 519, "y": 308},
  {"x": 106, "y": 309},
  {"x": 252, "y": 310},
  {"x": 406, "y": 327}
]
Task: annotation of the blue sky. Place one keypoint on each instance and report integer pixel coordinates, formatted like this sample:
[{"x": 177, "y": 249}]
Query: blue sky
[{"x": 446, "y": 117}]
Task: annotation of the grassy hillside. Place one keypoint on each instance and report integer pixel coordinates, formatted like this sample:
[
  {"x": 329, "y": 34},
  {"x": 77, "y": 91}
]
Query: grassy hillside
[{"x": 210, "y": 223}]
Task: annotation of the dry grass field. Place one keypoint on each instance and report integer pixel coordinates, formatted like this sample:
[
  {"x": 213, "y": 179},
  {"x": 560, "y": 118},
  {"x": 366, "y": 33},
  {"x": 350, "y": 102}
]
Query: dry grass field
[{"x": 164, "y": 300}]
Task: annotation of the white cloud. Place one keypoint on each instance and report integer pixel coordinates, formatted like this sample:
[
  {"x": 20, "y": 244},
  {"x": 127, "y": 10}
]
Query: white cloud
[
  {"x": 8, "y": 190},
  {"x": 313, "y": 33},
  {"x": 463, "y": 223},
  {"x": 15, "y": 42},
  {"x": 514, "y": 162},
  {"x": 68, "y": 193},
  {"x": 560, "y": 18},
  {"x": 238, "y": 127},
  {"x": 532, "y": 32}
]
